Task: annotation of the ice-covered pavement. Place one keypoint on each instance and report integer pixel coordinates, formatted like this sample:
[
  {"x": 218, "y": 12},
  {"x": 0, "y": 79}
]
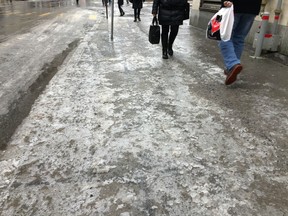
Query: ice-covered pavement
[{"x": 120, "y": 131}]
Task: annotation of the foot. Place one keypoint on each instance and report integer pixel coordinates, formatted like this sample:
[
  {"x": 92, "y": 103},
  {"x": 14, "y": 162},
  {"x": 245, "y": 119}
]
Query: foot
[
  {"x": 232, "y": 74},
  {"x": 170, "y": 52},
  {"x": 139, "y": 19},
  {"x": 122, "y": 14},
  {"x": 164, "y": 55},
  {"x": 135, "y": 20}
]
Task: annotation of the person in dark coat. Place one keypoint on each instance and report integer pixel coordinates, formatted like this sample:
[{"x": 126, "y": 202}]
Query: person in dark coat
[
  {"x": 170, "y": 16},
  {"x": 120, "y": 3},
  {"x": 245, "y": 12},
  {"x": 137, "y": 5}
]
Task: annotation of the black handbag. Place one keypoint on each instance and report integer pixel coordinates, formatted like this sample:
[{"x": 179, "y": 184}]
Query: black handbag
[
  {"x": 154, "y": 32},
  {"x": 187, "y": 11}
]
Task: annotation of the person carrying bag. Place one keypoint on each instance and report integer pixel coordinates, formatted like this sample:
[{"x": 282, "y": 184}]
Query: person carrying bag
[
  {"x": 171, "y": 14},
  {"x": 245, "y": 12}
]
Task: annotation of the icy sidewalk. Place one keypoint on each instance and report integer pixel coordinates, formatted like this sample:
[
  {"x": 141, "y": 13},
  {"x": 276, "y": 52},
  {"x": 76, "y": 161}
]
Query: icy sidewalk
[{"x": 119, "y": 131}]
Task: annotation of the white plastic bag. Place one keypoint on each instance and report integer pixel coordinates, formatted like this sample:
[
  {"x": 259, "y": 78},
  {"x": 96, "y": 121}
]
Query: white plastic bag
[
  {"x": 220, "y": 25},
  {"x": 227, "y": 22}
]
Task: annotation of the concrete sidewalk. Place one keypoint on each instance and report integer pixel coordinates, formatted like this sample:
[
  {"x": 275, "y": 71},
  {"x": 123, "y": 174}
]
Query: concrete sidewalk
[{"x": 120, "y": 131}]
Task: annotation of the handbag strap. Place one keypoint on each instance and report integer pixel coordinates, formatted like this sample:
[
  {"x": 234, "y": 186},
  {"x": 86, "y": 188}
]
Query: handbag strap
[{"x": 155, "y": 20}]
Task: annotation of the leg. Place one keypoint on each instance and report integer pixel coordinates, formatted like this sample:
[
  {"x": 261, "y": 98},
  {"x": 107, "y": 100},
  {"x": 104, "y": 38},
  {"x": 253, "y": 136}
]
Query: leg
[
  {"x": 119, "y": 7},
  {"x": 241, "y": 28},
  {"x": 231, "y": 50},
  {"x": 241, "y": 31},
  {"x": 121, "y": 10},
  {"x": 164, "y": 40},
  {"x": 135, "y": 14},
  {"x": 227, "y": 48},
  {"x": 172, "y": 37},
  {"x": 138, "y": 14}
]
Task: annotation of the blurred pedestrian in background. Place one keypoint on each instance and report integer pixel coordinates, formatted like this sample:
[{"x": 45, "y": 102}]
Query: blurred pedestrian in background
[
  {"x": 245, "y": 12},
  {"x": 137, "y": 5},
  {"x": 120, "y": 3},
  {"x": 170, "y": 16}
]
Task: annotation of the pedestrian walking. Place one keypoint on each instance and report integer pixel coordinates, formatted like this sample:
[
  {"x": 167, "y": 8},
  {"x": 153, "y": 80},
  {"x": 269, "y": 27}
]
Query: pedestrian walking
[
  {"x": 137, "y": 5},
  {"x": 105, "y": 2},
  {"x": 170, "y": 16},
  {"x": 120, "y": 3},
  {"x": 245, "y": 12}
]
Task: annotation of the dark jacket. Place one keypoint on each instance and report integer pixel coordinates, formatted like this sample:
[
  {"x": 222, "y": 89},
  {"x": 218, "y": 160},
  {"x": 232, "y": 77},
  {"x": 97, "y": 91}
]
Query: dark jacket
[
  {"x": 246, "y": 6},
  {"x": 137, "y": 4},
  {"x": 170, "y": 12},
  {"x": 120, "y": 2}
]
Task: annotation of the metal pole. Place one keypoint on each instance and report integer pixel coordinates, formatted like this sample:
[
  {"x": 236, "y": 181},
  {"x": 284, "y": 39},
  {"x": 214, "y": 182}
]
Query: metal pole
[
  {"x": 106, "y": 5},
  {"x": 261, "y": 35},
  {"x": 112, "y": 18},
  {"x": 276, "y": 17}
]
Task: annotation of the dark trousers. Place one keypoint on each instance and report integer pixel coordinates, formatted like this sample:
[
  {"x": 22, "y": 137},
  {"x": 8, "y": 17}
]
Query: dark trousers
[
  {"x": 121, "y": 10},
  {"x": 164, "y": 36},
  {"x": 137, "y": 13}
]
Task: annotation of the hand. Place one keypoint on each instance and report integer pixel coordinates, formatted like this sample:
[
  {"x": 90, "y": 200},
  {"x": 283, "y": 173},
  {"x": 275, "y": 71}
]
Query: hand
[{"x": 227, "y": 4}]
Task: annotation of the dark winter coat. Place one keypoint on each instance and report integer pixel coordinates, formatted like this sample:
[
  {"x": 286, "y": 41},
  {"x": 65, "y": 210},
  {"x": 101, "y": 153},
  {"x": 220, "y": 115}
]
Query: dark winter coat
[
  {"x": 137, "y": 4},
  {"x": 246, "y": 6},
  {"x": 170, "y": 12},
  {"x": 120, "y": 2}
]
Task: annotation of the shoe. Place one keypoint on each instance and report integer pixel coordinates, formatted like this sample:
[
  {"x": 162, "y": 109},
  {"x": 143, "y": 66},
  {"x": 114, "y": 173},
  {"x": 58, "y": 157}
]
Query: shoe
[
  {"x": 232, "y": 75},
  {"x": 122, "y": 14},
  {"x": 139, "y": 19},
  {"x": 135, "y": 20},
  {"x": 164, "y": 55}
]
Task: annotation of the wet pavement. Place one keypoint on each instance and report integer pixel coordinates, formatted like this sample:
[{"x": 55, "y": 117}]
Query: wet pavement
[
  {"x": 120, "y": 131},
  {"x": 18, "y": 17}
]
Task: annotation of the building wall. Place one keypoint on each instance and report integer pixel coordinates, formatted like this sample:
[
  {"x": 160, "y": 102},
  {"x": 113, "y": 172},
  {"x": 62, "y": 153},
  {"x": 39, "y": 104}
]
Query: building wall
[{"x": 200, "y": 18}]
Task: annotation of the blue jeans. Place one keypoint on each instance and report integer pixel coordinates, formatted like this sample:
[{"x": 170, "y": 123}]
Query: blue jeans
[{"x": 232, "y": 50}]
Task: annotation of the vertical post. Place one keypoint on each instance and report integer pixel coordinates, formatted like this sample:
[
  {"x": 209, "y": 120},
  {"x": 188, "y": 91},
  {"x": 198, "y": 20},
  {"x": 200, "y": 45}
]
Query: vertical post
[
  {"x": 106, "y": 5},
  {"x": 263, "y": 5},
  {"x": 112, "y": 18},
  {"x": 276, "y": 17},
  {"x": 261, "y": 35}
]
